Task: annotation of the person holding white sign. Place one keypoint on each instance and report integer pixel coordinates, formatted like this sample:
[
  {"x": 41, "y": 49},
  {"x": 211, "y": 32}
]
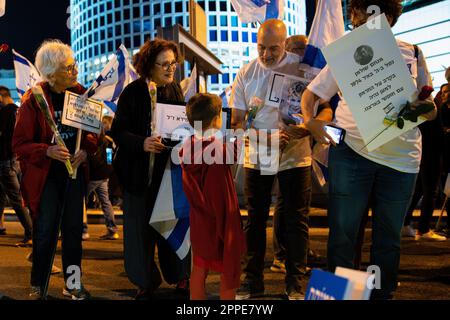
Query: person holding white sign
[
  {"x": 293, "y": 170},
  {"x": 388, "y": 172},
  {"x": 54, "y": 198},
  {"x": 131, "y": 131}
]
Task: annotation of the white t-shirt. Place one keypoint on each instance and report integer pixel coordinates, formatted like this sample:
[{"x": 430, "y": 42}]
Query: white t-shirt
[
  {"x": 402, "y": 153},
  {"x": 253, "y": 81}
]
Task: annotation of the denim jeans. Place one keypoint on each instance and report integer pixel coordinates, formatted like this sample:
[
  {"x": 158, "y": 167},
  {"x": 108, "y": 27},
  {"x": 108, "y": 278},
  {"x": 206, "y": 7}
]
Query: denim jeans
[
  {"x": 353, "y": 179},
  {"x": 293, "y": 204},
  {"x": 61, "y": 200},
  {"x": 101, "y": 189},
  {"x": 10, "y": 187}
]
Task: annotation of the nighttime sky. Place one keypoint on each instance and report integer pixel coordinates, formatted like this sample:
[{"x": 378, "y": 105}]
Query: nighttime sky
[{"x": 27, "y": 23}]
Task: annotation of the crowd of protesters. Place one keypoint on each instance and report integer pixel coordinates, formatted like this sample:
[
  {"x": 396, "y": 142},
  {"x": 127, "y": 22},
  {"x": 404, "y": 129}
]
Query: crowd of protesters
[{"x": 394, "y": 177}]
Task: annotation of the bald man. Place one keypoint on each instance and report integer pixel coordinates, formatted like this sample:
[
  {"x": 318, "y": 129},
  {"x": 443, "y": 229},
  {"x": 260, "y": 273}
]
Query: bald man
[
  {"x": 293, "y": 173},
  {"x": 297, "y": 44}
]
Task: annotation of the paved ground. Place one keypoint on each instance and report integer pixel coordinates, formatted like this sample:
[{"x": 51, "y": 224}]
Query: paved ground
[{"x": 424, "y": 274}]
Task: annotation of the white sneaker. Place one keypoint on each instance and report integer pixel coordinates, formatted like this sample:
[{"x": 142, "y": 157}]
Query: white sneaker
[
  {"x": 429, "y": 236},
  {"x": 408, "y": 231},
  {"x": 85, "y": 236}
]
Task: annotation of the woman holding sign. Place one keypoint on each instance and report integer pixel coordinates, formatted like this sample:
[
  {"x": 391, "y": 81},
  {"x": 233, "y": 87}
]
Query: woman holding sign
[
  {"x": 388, "y": 173},
  {"x": 45, "y": 149},
  {"x": 156, "y": 63}
]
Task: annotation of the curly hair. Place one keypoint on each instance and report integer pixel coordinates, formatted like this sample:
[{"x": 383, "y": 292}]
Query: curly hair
[
  {"x": 392, "y": 8},
  {"x": 144, "y": 61}
]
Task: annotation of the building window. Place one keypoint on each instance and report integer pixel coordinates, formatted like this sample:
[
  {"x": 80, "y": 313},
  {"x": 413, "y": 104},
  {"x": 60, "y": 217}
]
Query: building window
[
  {"x": 226, "y": 78},
  {"x": 234, "y": 21},
  {"x": 212, "y": 21},
  {"x": 212, "y": 35},
  {"x": 234, "y": 36},
  {"x": 214, "y": 79},
  {"x": 223, "y": 6},
  {"x": 156, "y": 23},
  {"x": 156, "y": 8},
  {"x": 245, "y": 36},
  {"x": 212, "y": 5},
  {"x": 223, "y": 21},
  {"x": 179, "y": 20},
  {"x": 167, "y": 7},
  {"x": 254, "y": 37},
  {"x": 168, "y": 22},
  {"x": 178, "y": 6},
  {"x": 224, "y": 35}
]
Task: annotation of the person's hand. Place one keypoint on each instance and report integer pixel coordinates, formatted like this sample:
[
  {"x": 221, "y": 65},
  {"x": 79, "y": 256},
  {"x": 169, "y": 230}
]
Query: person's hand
[
  {"x": 317, "y": 130},
  {"x": 297, "y": 131},
  {"x": 79, "y": 157},
  {"x": 58, "y": 153},
  {"x": 154, "y": 145}
]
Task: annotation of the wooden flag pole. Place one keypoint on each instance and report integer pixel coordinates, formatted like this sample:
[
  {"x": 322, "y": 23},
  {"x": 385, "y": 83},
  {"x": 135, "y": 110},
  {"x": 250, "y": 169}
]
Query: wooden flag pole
[{"x": 77, "y": 148}]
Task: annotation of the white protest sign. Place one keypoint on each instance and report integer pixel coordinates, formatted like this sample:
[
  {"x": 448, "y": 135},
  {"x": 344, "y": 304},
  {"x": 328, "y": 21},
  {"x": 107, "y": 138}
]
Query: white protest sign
[
  {"x": 84, "y": 115},
  {"x": 285, "y": 93},
  {"x": 374, "y": 80},
  {"x": 172, "y": 122}
]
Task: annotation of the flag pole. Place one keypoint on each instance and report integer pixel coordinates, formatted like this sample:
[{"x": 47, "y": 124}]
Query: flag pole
[{"x": 77, "y": 148}]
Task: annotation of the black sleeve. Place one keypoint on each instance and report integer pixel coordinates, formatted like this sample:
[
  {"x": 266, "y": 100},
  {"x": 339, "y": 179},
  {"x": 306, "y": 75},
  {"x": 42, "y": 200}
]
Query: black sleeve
[{"x": 123, "y": 120}]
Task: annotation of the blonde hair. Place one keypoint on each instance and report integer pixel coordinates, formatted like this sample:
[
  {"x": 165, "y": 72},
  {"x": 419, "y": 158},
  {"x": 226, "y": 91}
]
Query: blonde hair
[{"x": 50, "y": 56}]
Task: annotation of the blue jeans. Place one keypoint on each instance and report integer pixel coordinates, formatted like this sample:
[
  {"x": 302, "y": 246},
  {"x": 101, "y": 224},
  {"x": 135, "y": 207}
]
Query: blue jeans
[
  {"x": 353, "y": 179},
  {"x": 101, "y": 189}
]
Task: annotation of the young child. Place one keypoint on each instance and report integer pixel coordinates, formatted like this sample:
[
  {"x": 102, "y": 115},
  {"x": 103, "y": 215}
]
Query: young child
[{"x": 216, "y": 230}]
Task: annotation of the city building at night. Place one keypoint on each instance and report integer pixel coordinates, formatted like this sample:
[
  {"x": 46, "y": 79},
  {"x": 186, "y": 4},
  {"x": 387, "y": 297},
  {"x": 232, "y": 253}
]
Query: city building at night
[{"x": 99, "y": 27}]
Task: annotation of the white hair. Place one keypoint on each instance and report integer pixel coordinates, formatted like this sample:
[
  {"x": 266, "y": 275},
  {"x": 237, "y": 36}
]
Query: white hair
[{"x": 50, "y": 56}]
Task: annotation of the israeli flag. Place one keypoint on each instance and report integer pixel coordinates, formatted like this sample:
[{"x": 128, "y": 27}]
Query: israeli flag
[
  {"x": 170, "y": 216},
  {"x": 26, "y": 74},
  {"x": 258, "y": 10},
  {"x": 116, "y": 75},
  {"x": 189, "y": 85},
  {"x": 327, "y": 27}
]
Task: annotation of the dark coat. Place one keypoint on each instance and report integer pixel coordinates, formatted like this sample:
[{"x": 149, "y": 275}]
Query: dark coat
[
  {"x": 131, "y": 126},
  {"x": 31, "y": 139}
]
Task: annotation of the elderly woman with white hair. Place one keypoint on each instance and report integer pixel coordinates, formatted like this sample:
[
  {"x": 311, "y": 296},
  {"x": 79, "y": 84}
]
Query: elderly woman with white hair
[{"x": 53, "y": 197}]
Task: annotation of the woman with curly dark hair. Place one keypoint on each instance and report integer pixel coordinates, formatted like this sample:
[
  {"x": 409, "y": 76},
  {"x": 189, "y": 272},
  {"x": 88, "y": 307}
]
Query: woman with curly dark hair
[
  {"x": 156, "y": 63},
  {"x": 386, "y": 174}
]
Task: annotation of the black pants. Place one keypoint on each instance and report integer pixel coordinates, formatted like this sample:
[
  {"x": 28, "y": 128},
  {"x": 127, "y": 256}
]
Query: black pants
[
  {"x": 140, "y": 241},
  {"x": 293, "y": 203},
  {"x": 426, "y": 187},
  {"x": 61, "y": 196},
  {"x": 10, "y": 187}
]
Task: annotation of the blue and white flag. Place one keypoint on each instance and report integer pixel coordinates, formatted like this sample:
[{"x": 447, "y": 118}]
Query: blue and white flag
[
  {"x": 327, "y": 27},
  {"x": 258, "y": 10},
  {"x": 170, "y": 216},
  {"x": 116, "y": 75},
  {"x": 225, "y": 96},
  {"x": 26, "y": 74},
  {"x": 189, "y": 85}
]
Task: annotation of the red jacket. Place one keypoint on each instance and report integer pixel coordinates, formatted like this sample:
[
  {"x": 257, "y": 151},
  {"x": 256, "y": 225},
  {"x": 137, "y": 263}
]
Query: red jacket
[
  {"x": 215, "y": 220},
  {"x": 31, "y": 139}
]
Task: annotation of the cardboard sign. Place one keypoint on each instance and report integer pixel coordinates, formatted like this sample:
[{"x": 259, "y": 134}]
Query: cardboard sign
[
  {"x": 172, "y": 122},
  {"x": 374, "y": 80},
  {"x": 85, "y": 116}
]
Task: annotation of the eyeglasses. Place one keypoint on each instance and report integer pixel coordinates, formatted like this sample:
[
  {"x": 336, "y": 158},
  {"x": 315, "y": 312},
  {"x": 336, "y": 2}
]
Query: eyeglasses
[
  {"x": 70, "y": 69},
  {"x": 166, "y": 66}
]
